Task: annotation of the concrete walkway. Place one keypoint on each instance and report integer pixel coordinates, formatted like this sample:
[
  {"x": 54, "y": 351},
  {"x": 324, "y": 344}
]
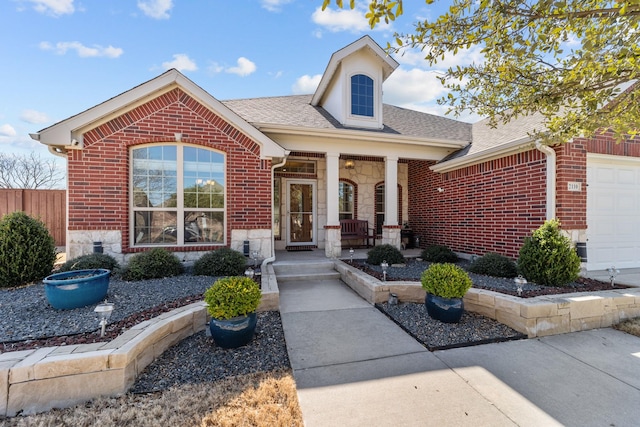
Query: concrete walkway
[{"x": 354, "y": 367}]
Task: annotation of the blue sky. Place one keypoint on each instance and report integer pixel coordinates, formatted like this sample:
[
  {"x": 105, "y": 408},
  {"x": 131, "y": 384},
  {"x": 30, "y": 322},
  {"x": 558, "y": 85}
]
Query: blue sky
[{"x": 60, "y": 57}]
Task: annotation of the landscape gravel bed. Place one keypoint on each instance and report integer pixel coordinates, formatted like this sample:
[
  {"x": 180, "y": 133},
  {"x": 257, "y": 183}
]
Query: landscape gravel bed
[
  {"x": 197, "y": 359},
  {"x": 473, "y": 328},
  {"x": 26, "y": 314},
  {"x": 413, "y": 268}
]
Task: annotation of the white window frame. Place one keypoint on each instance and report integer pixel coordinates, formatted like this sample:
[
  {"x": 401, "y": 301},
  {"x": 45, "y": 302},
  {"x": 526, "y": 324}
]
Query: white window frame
[{"x": 179, "y": 209}]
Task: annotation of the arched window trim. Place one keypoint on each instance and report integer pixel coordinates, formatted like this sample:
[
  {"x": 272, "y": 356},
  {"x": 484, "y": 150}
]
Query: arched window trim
[
  {"x": 362, "y": 96},
  {"x": 354, "y": 185},
  {"x": 206, "y": 236}
]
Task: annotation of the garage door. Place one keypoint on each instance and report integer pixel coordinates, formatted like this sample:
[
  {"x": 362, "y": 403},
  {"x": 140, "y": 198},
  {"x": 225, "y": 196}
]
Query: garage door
[{"x": 613, "y": 212}]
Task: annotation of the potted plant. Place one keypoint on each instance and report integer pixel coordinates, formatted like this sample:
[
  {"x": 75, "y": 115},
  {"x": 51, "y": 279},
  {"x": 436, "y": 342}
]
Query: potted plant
[
  {"x": 446, "y": 285},
  {"x": 232, "y": 303},
  {"x": 76, "y": 288}
]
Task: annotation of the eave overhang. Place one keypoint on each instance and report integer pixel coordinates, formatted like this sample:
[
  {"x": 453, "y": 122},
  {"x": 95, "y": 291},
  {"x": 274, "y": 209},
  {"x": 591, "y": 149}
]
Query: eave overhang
[
  {"x": 68, "y": 134},
  {"x": 516, "y": 146}
]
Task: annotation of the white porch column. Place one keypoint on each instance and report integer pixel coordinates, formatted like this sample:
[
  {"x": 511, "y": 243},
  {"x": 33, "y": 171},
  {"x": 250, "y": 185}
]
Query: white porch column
[
  {"x": 391, "y": 229},
  {"x": 391, "y": 191},
  {"x": 333, "y": 248}
]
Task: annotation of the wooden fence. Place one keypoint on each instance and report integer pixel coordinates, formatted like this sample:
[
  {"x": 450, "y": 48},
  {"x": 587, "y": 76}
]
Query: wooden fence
[{"x": 50, "y": 206}]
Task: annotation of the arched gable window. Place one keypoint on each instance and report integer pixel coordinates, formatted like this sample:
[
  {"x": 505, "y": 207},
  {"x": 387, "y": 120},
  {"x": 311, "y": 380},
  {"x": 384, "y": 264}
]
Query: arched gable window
[
  {"x": 178, "y": 195},
  {"x": 361, "y": 95}
]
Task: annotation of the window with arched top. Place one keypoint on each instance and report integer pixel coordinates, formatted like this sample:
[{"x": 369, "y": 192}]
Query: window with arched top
[
  {"x": 177, "y": 195},
  {"x": 362, "y": 95},
  {"x": 346, "y": 200}
]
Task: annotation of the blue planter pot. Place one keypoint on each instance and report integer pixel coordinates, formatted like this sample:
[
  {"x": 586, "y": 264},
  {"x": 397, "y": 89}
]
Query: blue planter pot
[
  {"x": 447, "y": 310},
  {"x": 74, "y": 289},
  {"x": 234, "y": 332}
]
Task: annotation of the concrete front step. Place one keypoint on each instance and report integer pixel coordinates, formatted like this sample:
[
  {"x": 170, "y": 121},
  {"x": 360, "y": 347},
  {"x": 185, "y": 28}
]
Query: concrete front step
[{"x": 297, "y": 271}]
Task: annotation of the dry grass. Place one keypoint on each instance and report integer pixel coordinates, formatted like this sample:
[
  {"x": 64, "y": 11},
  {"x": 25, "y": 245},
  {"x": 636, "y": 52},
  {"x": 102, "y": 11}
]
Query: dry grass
[
  {"x": 264, "y": 399},
  {"x": 631, "y": 326}
]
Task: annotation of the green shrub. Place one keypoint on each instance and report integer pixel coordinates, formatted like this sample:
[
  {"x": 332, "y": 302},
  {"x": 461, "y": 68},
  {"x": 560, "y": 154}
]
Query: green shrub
[
  {"x": 27, "y": 250},
  {"x": 495, "y": 265},
  {"x": 91, "y": 261},
  {"x": 386, "y": 252},
  {"x": 221, "y": 262},
  {"x": 438, "y": 253},
  {"x": 232, "y": 296},
  {"x": 153, "y": 264},
  {"x": 445, "y": 280},
  {"x": 548, "y": 258}
]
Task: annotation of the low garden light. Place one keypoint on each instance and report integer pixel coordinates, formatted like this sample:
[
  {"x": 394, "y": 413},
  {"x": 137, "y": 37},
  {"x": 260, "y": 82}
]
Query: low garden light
[
  {"x": 613, "y": 273},
  {"x": 250, "y": 273},
  {"x": 351, "y": 252},
  {"x": 104, "y": 311},
  {"x": 384, "y": 265},
  {"x": 520, "y": 282}
]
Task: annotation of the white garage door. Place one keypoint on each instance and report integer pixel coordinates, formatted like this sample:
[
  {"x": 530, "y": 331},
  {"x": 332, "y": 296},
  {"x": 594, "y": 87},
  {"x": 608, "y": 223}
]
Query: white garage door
[{"x": 613, "y": 212}]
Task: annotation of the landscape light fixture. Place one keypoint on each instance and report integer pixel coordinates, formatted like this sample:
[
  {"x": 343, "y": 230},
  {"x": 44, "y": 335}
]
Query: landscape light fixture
[
  {"x": 104, "y": 311},
  {"x": 384, "y": 265}
]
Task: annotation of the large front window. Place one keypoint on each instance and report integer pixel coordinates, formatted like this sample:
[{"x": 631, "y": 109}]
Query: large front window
[{"x": 178, "y": 195}]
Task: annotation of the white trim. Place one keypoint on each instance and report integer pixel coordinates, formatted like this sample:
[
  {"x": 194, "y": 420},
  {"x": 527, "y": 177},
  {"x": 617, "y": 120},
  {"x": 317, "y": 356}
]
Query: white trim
[
  {"x": 314, "y": 210},
  {"x": 389, "y": 64},
  {"x": 604, "y": 158},
  {"x": 502, "y": 150},
  {"x": 551, "y": 178},
  {"x": 63, "y": 133},
  {"x": 365, "y": 136}
]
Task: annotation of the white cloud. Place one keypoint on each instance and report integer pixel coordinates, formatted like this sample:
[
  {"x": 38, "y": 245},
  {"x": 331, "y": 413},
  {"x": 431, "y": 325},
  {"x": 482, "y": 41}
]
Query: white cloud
[
  {"x": 244, "y": 68},
  {"x": 352, "y": 20},
  {"x": 274, "y": 5},
  {"x": 53, "y": 7},
  {"x": 33, "y": 116},
  {"x": 7, "y": 130},
  {"x": 413, "y": 86},
  {"x": 306, "y": 84},
  {"x": 83, "y": 51},
  {"x": 181, "y": 62},
  {"x": 156, "y": 9},
  {"x": 415, "y": 57}
]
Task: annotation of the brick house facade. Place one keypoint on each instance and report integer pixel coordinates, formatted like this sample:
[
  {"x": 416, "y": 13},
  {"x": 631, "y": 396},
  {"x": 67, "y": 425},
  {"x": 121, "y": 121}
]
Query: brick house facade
[{"x": 295, "y": 165}]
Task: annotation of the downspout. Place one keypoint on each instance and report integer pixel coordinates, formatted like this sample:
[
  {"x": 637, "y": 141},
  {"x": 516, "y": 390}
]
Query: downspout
[
  {"x": 551, "y": 178},
  {"x": 273, "y": 238}
]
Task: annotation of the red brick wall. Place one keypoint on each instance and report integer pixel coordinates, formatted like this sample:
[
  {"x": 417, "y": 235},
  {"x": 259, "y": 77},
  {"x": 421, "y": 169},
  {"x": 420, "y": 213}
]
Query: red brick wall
[
  {"x": 492, "y": 206},
  {"x": 488, "y": 207},
  {"x": 571, "y": 207},
  {"x": 99, "y": 174}
]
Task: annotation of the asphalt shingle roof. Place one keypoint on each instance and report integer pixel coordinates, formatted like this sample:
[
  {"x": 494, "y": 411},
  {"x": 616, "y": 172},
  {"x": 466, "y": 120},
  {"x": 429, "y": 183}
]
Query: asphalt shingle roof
[{"x": 297, "y": 111}]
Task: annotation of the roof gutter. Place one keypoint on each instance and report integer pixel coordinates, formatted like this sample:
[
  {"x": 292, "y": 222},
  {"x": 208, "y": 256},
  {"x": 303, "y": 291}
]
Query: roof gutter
[
  {"x": 551, "y": 178},
  {"x": 354, "y": 135},
  {"x": 273, "y": 238},
  {"x": 483, "y": 156}
]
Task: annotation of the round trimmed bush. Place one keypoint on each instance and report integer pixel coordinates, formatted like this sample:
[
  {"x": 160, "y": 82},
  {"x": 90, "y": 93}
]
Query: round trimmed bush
[
  {"x": 221, "y": 262},
  {"x": 27, "y": 250},
  {"x": 153, "y": 264},
  {"x": 446, "y": 280},
  {"x": 91, "y": 261},
  {"x": 385, "y": 252},
  {"x": 233, "y": 296},
  {"x": 496, "y": 265},
  {"x": 438, "y": 253},
  {"x": 548, "y": 258}
]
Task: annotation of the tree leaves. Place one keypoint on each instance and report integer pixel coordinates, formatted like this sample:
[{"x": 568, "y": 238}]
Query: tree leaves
[{"x": 573, "y": 61}]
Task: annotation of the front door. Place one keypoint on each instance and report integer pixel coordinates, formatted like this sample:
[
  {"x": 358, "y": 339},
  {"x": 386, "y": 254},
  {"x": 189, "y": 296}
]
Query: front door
[{"x": 301, "y": 213}]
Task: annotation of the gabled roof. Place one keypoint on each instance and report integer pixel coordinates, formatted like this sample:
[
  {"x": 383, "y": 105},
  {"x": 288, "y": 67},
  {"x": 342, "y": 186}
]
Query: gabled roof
[
  {"x": 68, "y": 133},
  {"x": 388, "y": 64},
  {"x": 297, "y": 111}
]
